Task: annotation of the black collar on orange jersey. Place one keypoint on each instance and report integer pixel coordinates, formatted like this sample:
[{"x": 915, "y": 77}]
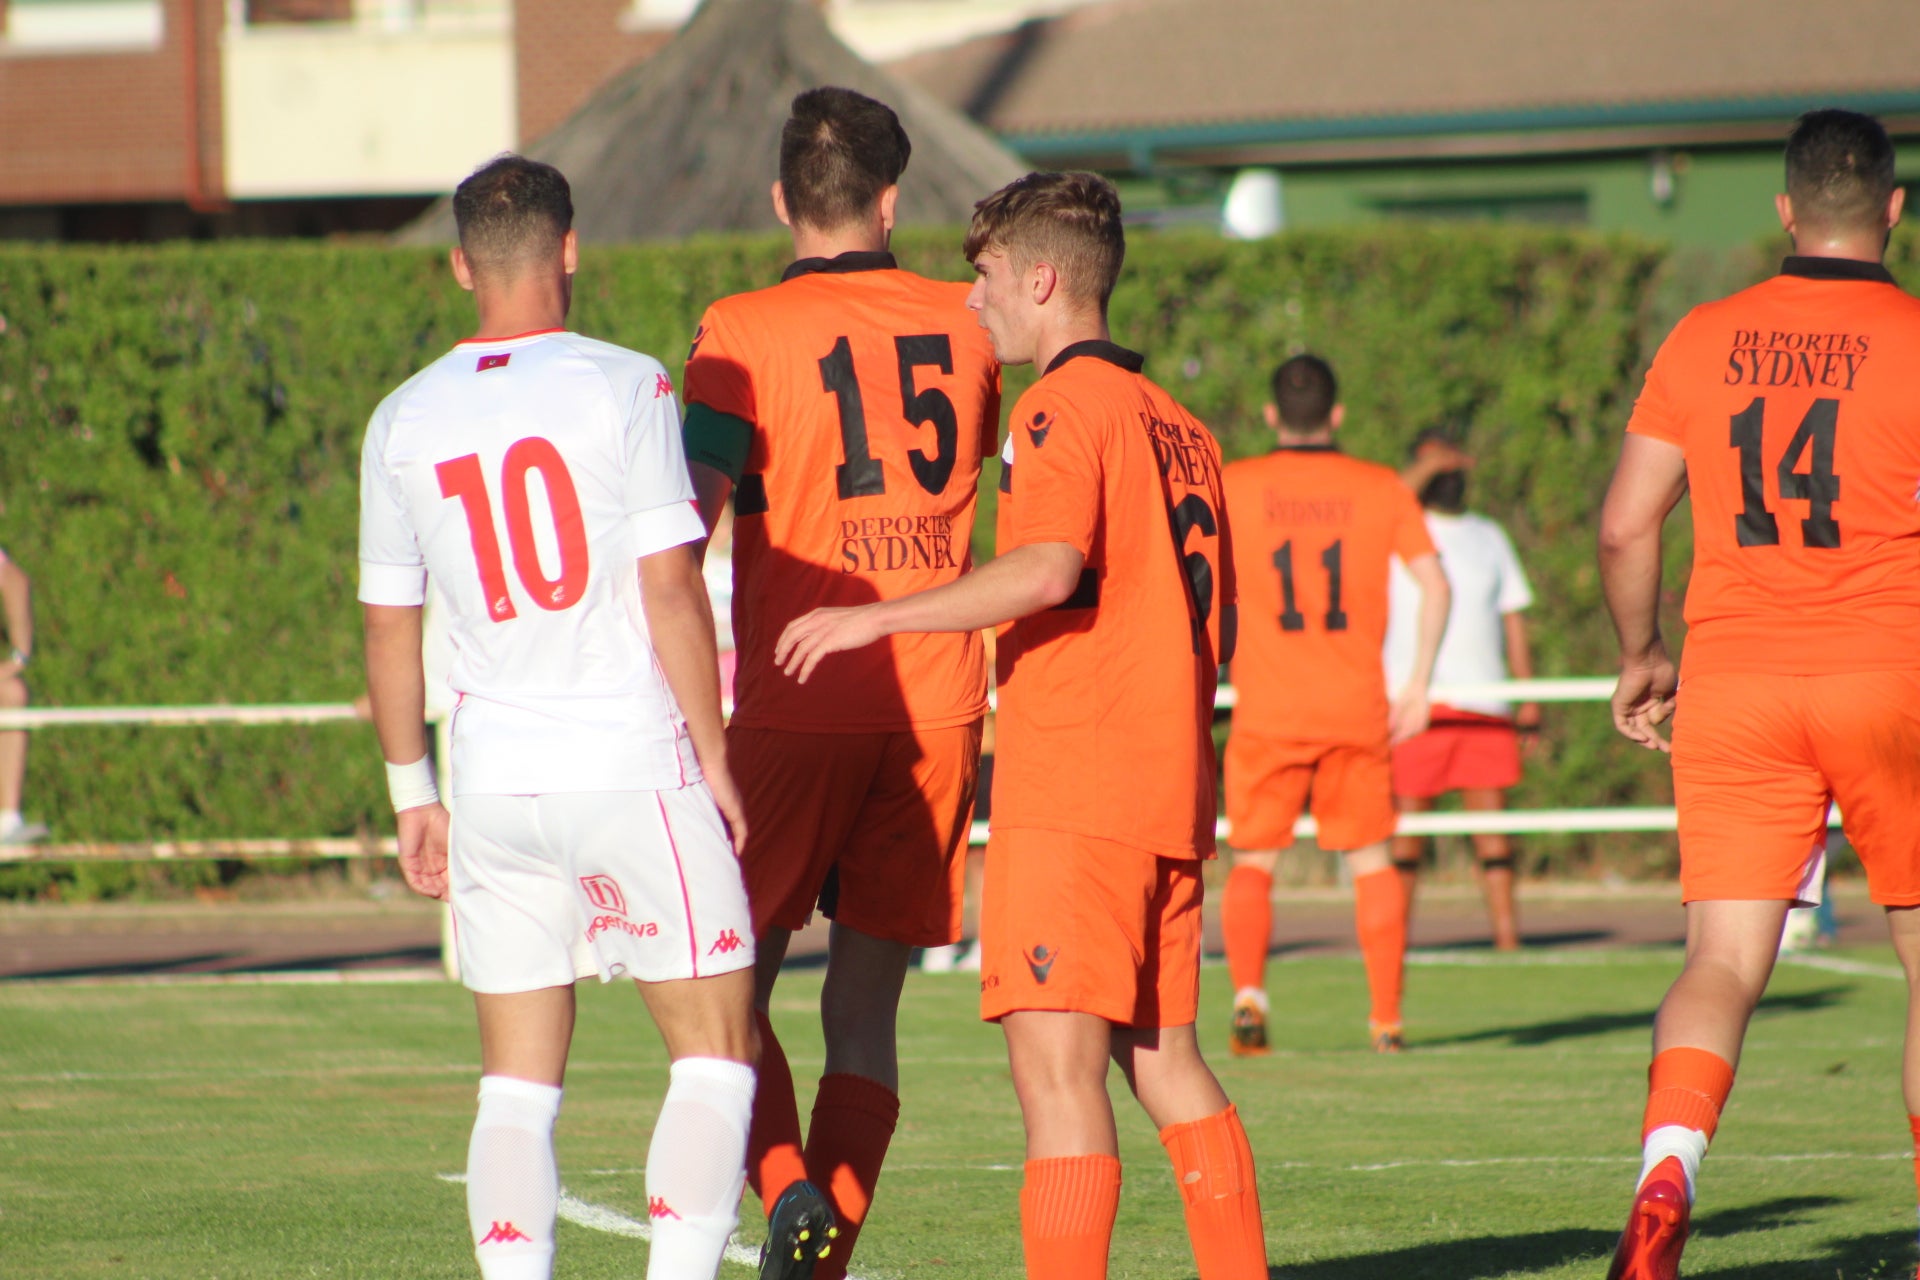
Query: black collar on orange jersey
[
  {"x": 1328, "y": 447},
  {"x": 1099, "y": 349},
  {"x": 1835, "y": 269},
  {"x": 842, "y": 264}
]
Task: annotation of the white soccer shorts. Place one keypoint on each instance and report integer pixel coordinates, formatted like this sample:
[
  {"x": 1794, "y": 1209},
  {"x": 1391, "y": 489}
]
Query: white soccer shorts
[{"x": 550, "y": 888}]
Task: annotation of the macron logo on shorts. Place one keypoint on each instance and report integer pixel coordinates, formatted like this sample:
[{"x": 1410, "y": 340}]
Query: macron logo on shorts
[
  {"x": 496, "y": 361},
  {"x": 727, "y": 943},
  {"x": 505, "y": 1233},
  {"x": 1040, "y": 961}
]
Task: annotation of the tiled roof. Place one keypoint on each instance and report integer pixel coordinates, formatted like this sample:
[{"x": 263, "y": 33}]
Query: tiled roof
[{"x": 1159, "y": 64}]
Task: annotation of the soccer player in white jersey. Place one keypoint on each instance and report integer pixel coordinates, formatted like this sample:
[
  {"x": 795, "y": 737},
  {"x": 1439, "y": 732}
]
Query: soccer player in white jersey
[{"x": 538, "y": 476}]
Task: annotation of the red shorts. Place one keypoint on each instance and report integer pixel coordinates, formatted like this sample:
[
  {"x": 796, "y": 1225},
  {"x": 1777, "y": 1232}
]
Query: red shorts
[
  {"x": 1070, "y": 923},
  {"x": 1270, "y": 781},
  {"x": 870, "y": 826},
  {"x": 1460, "y": 751},
  {"x": 1756, "y": 760}
]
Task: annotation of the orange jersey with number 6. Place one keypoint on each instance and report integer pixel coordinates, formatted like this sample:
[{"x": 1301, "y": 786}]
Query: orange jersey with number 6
[
  {"x": 1106, "y": 699},
  {"x": 1797, "y": 405},
  {"x": 872, "y": 395}
]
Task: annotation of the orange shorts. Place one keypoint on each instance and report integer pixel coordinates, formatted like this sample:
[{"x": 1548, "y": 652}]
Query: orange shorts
[
  {"x": 1075, "y": 924},
  {"x": 1460, "y": 751},
  {"x": 1756, "y": 760},
  {"x": 870, "y": 826},
  {"x": 1270, "y": 780}
]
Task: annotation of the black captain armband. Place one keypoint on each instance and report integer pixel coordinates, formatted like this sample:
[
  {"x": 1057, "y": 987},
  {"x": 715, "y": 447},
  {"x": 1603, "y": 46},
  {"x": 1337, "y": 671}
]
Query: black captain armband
[{"x": 717, "y": 440}]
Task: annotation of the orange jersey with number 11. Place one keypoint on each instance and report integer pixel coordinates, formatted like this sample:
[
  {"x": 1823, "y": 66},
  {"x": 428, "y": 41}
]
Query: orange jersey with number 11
[
  {"x": 872, "y": 394},
  {"x": 1798, "y": 408}
]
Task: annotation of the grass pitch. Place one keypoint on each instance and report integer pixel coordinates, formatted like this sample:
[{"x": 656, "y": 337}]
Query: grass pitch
[{"x": 237, "y": 1131}]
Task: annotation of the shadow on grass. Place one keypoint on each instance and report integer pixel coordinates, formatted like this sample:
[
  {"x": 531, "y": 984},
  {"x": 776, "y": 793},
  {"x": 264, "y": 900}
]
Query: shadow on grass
[
  {"x": 1531, "y": 941},
  {"x": 1881, "y": 1255},
  {"x": 1595, "y": 1024},
  {"x": 1768, "y": 1215},
  {"x": 1484, "y": 1256}
]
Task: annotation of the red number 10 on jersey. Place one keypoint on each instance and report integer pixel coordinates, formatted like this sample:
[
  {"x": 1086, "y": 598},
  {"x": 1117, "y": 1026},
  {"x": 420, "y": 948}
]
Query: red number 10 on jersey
[{"x": 462, "y": 478}]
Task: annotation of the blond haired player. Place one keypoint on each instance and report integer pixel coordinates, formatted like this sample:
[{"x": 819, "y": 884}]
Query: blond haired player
[
  {"x": 1115, "y": 573},
  {"x": 1788, "y": 413},
  {"x": 845, "y": 410},
  {"x": 538, "y": 476}
]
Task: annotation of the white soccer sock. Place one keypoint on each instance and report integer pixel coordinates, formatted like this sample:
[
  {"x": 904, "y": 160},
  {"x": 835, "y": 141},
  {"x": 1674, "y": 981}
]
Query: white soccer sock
[
  {"x": 1256, "y": 996},
  {"x": 1689, "y": 1145},
  {"x": 696, "y": 1166},
  {"x": 513, "y": 1185},
  {"x": 9, "y": 819}
]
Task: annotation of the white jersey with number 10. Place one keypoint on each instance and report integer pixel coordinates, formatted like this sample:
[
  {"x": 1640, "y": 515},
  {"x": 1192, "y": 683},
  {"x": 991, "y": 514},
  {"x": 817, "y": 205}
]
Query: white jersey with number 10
[{"x": 528, "y": 475}]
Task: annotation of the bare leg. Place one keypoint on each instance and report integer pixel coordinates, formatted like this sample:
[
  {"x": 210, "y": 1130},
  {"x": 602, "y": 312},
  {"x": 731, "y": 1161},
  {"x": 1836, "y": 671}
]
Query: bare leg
[
  {"x": 1904, "y": 924},
  {"x": 705, "y": 1017},
  {"x": 1494, "y": 853},
  {"x": 1164, "y": 1069},
  {"x": 859, "y": 1005},
  {"x": 1059, "y": 1063},
  {"x": 13, "y": 747},
  {"x": 526, "y": 1034},
  {"x": 1410, "y": 851},
  {"x": 1730, "y": 953}
]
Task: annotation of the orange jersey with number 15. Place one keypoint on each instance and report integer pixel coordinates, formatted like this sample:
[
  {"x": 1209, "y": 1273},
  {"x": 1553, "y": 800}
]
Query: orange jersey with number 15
[
  {"x": 1797, "y": 406},
  {"x": 872, "y": 395}
]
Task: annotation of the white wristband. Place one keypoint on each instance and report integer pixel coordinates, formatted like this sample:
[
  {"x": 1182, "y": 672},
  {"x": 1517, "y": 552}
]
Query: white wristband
[{"x": 412, "y": 785}]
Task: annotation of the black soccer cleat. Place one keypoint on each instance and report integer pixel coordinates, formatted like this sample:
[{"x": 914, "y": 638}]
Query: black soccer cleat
[{"x": 800, "y": 1232}]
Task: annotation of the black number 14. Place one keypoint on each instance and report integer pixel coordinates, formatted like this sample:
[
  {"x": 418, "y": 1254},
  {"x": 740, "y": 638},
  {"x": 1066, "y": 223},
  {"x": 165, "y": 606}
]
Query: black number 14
[{"x": 1817, "y": 486}]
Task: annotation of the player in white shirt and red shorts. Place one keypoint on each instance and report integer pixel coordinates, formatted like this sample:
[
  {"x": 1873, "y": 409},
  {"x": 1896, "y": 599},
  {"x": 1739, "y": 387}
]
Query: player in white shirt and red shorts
[
  {"x": 1472, "y": 745},
  {"x": 538, "y": 476}
]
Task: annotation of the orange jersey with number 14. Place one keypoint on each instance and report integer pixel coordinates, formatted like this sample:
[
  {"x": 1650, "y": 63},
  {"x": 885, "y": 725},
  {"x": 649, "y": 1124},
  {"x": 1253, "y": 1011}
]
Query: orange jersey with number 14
[
  {"x": 872, "y": 394},
  {"x": 1798, "y": 407}
]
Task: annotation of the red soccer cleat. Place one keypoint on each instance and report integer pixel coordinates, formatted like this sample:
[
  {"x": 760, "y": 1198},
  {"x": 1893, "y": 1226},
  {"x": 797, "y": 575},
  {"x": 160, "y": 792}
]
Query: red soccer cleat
[{"x": 1656, "y": 1229}]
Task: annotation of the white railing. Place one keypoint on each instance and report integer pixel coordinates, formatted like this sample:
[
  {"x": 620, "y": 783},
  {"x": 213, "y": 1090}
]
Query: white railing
[{"x": 1510, "y": 821}]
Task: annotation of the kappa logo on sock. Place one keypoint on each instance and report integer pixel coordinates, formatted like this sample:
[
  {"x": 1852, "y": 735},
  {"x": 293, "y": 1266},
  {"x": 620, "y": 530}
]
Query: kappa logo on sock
[
  {"x": 727, "y": 943},
  {"x": 1040, "y": 961},
  {"x": 657, "y": 1207},
  {"x": 505, "y": 1233}
]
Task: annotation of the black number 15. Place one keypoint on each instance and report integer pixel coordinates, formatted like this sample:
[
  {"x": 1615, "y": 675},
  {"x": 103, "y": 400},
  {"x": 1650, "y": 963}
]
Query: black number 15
[{"x": 861, "y": 475}]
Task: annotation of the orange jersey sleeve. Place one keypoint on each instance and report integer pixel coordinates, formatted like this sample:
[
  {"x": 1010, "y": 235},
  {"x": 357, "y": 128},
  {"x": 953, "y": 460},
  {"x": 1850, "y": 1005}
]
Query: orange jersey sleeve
[
  {"x": 1314, "y": 534},
  {"x": 871, "y": 393},
  {"x": 1106, "y": 700},
  {"x": 1794, "y": 404}
]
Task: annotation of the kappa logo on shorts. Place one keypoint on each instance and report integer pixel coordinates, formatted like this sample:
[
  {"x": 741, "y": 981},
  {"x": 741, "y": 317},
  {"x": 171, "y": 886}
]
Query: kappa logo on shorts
[
  {"x": 727, "y": 943},
  {"x": 505, "y": 1233},
  {"x": 604, "y": 893},
  {"x": 1038, "y": 431},
  {"x": 1040, "y": 961},
  {"x": 657, "y": 1207}
]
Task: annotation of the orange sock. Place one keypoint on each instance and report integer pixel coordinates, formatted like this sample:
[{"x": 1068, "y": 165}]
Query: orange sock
[
  {"x": 1213, "y": 1167},
  {"x": 853, "y": 1123},
  {"x": 1067, "y": 1208},
  {"x": 1380, "y": 920},
  {"x": 1687, "y": 1087},
  {"x": 1913, "y": 1123},
  {"x": 773, "y": 1143},
  {"x": 1246, "y": 923}
]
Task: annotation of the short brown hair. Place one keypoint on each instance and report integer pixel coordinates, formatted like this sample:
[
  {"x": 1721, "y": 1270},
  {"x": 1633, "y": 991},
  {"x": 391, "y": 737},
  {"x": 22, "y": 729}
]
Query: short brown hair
[
  {"x": 1839, "y": 170},
  {"x": 838, "y": 151},
  {"x": 1304, "y": 393},
  {"x": 511, "y": 210},
  {"x": 1070, "y": 220}
]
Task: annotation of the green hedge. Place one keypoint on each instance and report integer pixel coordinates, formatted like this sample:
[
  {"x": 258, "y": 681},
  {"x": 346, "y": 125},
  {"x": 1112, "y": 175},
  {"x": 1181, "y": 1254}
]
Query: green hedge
[{"x": 180, "y": 427}]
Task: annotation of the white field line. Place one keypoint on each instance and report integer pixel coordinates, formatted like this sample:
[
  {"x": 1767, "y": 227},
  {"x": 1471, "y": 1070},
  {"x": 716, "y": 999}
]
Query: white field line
[
  {"x": 1840, "y": 964},
  {"x": 1531, "y": 959},
  {"x": 598, "y": 1217}
]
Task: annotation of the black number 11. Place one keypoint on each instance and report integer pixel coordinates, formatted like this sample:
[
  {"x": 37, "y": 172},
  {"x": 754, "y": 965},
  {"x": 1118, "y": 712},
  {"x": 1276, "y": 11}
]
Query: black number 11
[{"x": 1291, "y": 619}]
